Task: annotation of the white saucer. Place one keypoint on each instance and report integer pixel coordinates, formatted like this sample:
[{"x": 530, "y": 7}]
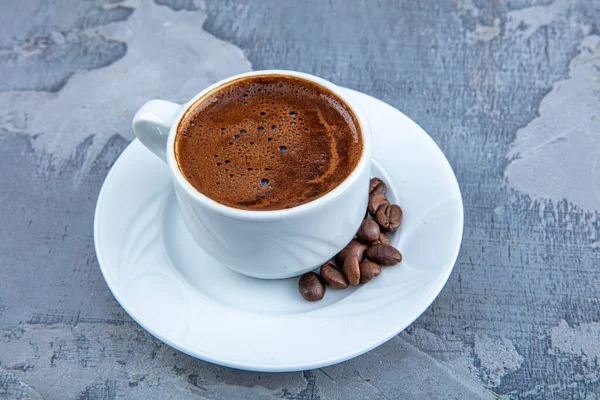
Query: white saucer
[{"x": 164, "y": 280}]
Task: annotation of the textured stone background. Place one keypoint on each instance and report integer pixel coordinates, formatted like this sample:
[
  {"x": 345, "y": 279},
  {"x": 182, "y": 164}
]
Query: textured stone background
[{"x": 510, "y": 90}]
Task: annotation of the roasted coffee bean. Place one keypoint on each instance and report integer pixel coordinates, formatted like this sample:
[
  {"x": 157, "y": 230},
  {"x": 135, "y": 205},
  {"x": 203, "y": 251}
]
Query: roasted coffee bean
[
  {"x": 377, "y": 186},
  {"x": 311, "y": 287},
  {"x": 354, "y": 247},
  {"x": 383, "y": 238},
  {"x": 333, "y": 276},
  {"x": 389, "y": 217},
  {"x": 375, "y": 202},
  {"x": 368, "y": 231},
  {"x": 368, "y": 271},
  {"x": 383, "y": 254},
  {"x": 352, "y": 269}
]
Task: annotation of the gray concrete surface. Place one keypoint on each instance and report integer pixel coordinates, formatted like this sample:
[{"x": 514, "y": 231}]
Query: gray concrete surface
[{"x": 508, "y": 89}]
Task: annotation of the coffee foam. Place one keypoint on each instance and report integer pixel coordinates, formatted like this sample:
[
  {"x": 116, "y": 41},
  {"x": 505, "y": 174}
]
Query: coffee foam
[{"x": 267, "y": 143}]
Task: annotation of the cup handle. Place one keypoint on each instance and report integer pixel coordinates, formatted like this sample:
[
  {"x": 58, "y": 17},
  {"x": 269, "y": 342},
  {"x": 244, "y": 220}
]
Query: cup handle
[{"x": 152, "y": 124}]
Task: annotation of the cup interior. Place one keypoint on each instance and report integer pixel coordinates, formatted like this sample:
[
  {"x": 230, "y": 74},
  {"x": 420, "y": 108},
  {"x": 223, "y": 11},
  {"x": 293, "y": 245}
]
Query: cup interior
[{"x": 339, "y": 93}]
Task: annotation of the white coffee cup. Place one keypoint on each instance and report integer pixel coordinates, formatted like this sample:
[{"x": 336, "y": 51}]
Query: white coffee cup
[{"x": 263, "y": 244}]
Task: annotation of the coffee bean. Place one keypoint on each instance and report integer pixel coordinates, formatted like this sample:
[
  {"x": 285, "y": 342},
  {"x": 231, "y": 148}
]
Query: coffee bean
[
  {"x": 333, "y": 276},
  {"x": 383, "y": 254},
  {"x": 384, "y": 238},
  {"x": 375, "y": 202},
  {"x": 354, "y": 247},
  {"x": 368, "y": 271},
  {"x": 311, "y": 287},
  {"x": 377, "y": 186},
  {"x": 352, "y": 269},
  {"x": 368, "y": 231},
  {"x": 389, "y": 217}
]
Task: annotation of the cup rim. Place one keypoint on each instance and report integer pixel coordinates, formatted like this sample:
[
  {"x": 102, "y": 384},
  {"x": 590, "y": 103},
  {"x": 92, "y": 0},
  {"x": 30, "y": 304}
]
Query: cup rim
[{"x": 273, "y": 215}]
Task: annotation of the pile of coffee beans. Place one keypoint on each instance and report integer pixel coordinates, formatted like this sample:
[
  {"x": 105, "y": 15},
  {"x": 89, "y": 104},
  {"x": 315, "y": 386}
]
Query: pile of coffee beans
[{"x": 361, "y": 260}]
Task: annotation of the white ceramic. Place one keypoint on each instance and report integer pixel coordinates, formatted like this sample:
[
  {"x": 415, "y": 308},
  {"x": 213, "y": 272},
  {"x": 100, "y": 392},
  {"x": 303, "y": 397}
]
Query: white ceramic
[
  {"x": 263, "y": 244},
  {"x": 176, "y": 291}
]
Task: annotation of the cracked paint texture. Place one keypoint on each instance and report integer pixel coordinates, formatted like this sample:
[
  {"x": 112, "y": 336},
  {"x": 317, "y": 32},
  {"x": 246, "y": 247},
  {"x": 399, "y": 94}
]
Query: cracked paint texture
[{"x": 506, "y": 89}]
